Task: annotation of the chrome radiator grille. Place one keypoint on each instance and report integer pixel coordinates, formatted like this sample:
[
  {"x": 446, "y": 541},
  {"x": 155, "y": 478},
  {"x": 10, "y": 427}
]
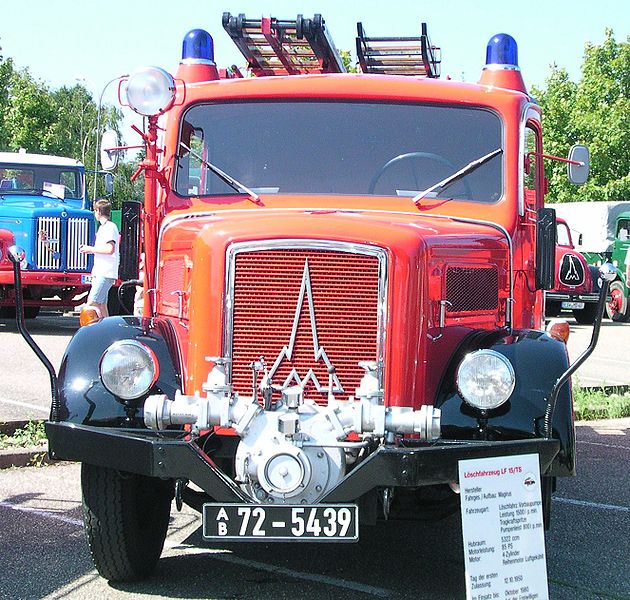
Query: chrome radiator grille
[
  {"x": 78, "y": 233},
  {"x": 307, "y": 311},
  {"x": 58, "y": 242}
]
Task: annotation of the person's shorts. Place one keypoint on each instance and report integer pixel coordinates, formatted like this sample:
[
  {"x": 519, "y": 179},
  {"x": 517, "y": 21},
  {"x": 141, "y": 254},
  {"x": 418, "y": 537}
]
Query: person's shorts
[{"x": 100, "y": 289}]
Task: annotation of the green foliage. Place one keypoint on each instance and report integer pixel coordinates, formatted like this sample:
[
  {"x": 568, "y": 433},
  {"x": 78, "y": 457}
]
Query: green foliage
[
  {"x": 33, "y": 434},
  {"x": 124, "y": 188},
  {"x": 60, "y": 121},
  {"x": 596, "y": 112},
  {"x": 598, "y": 404},
  {"x": 346, "y": 58}
]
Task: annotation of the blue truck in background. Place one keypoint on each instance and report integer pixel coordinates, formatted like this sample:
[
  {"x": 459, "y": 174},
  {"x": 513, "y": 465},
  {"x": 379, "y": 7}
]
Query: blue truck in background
[{"x": 45, "y": 209}]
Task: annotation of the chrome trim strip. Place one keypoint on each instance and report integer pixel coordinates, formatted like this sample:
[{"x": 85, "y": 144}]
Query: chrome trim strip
[{"x": 304, "y": 244}]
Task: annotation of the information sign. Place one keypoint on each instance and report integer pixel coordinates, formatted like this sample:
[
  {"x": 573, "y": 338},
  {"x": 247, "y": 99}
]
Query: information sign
[{"x": 503, "y": 532}]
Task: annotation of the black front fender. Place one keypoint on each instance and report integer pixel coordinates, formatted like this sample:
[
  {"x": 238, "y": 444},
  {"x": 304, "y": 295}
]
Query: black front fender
[
  {"x": 538, "y": 361},
  {"x": 83, "y": 398}
]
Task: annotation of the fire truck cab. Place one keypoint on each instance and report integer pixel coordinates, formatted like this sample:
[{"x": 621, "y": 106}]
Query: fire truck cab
[{"x": 343, "y": 297}]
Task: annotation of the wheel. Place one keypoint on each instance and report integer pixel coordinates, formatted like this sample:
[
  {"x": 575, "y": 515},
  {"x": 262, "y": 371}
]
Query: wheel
[
  {"x": 415, "y": 156},
  {"x": 428, "y": 503},
  {"x": 548, "y": 487},
  {"x": 552, "y": 308},
  {"x": 617, "y": 308},
  {"x": 126, "y": 519},
  {"x": 31, "y": 312},
  {"x": 587, "y": 315},
  {"x": 7, "y": 312}
]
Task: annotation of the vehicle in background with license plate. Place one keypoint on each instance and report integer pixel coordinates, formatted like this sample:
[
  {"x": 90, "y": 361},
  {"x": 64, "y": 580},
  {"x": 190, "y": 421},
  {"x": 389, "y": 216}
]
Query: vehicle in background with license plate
[
  {"x": 601, "y": 231},
  {"x": 576, "y": 288},
  {"x": 45, "y": 208},
  {"x": 343, "y": 298}
]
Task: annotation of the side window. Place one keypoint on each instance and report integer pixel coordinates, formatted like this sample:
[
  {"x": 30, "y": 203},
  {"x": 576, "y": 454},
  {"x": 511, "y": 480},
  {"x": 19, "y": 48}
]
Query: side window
[
  {"x": 564, "y": 238},
  {"x": 623, "y": 230},
  {"x": 531, "y": 168}
]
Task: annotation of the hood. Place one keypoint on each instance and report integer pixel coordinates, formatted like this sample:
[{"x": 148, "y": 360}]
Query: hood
[
  {"x": 402, "y": 278},
  {"x": 28, "y": 205}
]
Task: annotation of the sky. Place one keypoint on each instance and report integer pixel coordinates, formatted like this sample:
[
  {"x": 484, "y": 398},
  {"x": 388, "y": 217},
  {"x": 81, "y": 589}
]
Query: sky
[{"x": 94, "y": 41}]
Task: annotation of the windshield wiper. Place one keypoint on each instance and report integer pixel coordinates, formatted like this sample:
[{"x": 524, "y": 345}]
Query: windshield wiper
[
  {"x": 233, "y": 183},
  {"x": 469, "y": 168}
]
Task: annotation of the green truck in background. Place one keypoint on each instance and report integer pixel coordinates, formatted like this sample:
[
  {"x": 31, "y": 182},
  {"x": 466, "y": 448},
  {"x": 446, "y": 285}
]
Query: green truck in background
[{"x": 601, "y": 232}]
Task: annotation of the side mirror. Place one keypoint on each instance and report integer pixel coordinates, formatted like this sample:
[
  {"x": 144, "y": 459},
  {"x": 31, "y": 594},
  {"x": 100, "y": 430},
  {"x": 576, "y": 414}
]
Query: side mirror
[
  {"x": 580, "y": 239},
  {"x": 109, "y": 151},
  {"x": 578, "y": 173},
  {"x": 546, "y": 249}
]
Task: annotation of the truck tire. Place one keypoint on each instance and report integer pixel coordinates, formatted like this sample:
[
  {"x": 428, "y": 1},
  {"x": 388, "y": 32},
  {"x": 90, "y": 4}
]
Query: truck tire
[
  {"x": 617, "y": 308},
  {"x": 31, "y": 312},
  {"x": 552, "y": 308},
  {"x": 548, "y": 487},
  {"x": 126, "y": 519},
  {"x": 587, "y": 315},
  {"x": 9, "y": 312}
]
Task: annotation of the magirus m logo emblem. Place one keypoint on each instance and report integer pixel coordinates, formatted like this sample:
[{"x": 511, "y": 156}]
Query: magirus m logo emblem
[
  {"x": 571, "y": 270},
  {"x": 319, "y": 353}
]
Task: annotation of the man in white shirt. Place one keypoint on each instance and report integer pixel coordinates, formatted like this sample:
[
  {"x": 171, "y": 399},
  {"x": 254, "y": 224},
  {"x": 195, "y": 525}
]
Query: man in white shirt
[{"x": 106, "y": 250}]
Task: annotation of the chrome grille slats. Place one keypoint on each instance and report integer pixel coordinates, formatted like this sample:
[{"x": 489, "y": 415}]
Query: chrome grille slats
[
  {"x": 49, "y": 243},
  {"x": 78, "y": 234},
  {"x": 347, "y": 285},
  {"x": 54, "y": 237}
]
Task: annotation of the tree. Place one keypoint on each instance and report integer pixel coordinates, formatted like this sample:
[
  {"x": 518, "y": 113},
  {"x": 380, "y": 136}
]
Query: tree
[
  {"x": 595, "y": 111},
  {"x": 6, "y": 74}
]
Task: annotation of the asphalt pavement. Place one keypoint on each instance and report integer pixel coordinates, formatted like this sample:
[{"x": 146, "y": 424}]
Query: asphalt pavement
[{"x": 43, "y": 553}]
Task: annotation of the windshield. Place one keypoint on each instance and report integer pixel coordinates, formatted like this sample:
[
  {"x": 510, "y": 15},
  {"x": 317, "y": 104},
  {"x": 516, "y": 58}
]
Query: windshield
[
  {"x": 564, "y": 236},
  {"x": 353, "y": 148},
  {"x": 35, "y": 179}
]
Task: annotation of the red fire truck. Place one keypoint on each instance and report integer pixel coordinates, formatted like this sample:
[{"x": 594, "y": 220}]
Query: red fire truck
[
  {"x": 576, "y": 288},
  {"x": 343, "y": 297}
]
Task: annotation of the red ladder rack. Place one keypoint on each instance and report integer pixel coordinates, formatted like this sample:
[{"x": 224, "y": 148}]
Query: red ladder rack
[{"x": 274, "y": 47}]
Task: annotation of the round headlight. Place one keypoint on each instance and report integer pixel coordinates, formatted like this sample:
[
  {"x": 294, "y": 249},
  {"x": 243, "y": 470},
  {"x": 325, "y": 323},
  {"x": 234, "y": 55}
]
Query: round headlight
[
  {"x": 150, "y": 91},
  {"x": 128, "y": 369},
  {"x": 485, "y": 379}
]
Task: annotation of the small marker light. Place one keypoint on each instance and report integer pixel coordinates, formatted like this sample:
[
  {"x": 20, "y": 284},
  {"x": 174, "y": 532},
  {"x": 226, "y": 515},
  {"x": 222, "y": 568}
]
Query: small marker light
[
  {"x": 559, "y": 330},
  {"x": 89, "y": 315}
]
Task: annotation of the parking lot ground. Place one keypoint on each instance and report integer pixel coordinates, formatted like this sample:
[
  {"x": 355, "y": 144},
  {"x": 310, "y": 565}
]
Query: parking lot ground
[{"x": 43, "y": 552}]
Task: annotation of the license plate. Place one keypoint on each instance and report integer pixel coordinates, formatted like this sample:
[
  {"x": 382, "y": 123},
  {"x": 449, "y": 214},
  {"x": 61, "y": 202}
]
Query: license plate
[
  {"x": 310, "y": 523},
  {"x": 576, "y": 305},
  {"x": 86, "y": 279}
]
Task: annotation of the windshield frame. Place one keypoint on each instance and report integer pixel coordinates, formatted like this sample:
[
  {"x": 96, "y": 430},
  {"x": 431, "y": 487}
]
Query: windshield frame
[{"x": 501, "y": 181}]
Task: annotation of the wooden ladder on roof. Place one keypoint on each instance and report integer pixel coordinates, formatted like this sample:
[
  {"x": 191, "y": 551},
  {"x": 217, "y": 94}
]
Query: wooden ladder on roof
[
  {"x": 398, "y": 55},
  {"x": 275, "y": 47}
]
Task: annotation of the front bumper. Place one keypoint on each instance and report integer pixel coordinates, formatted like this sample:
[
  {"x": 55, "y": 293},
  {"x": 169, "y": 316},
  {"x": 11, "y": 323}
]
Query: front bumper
[
  {"x": 46, "y": 278},
  {"x": 587, "y": 298},
  {"x": 158, "y": 455}
]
